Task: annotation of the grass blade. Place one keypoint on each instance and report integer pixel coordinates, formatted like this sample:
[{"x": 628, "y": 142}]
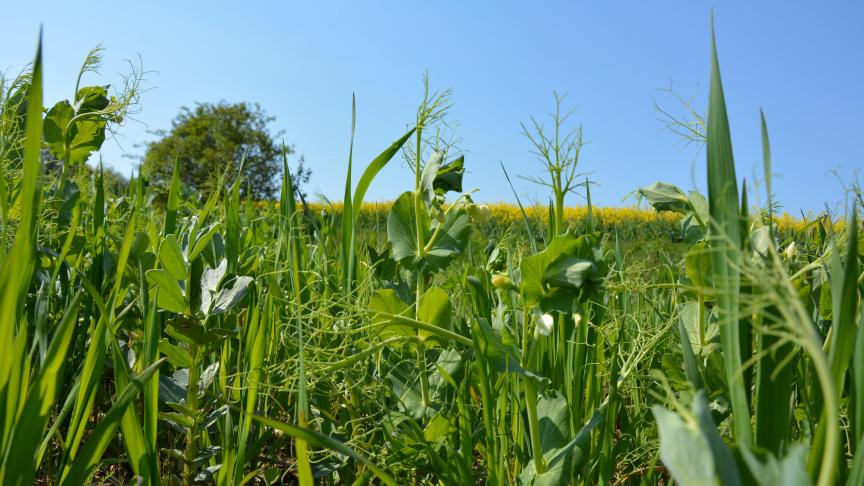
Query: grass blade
[
  {"x": 724, "y": 209},
  {"x": 102, "y": 436},
  {"x": 531, "y": 238},
  {"x": 16, "y": 274},
  {"x": 326, "y": 442}
]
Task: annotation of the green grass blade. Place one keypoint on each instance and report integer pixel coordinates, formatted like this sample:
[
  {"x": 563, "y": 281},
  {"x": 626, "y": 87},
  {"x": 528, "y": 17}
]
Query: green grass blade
[
  {"x": 766, "y": 168},
  {"x": 132, "y": 433},
  {"x": 844, "y": 300},
  {"x": 724, "y": 209},
  {"x": 589, "y": 219},
  {"x": 531, "y": 238},
  {"x": 348, "y": 248},
  {"x": 320, "y": 440},
  {"x": 103, "y": 434},
  {"x": 373, "y": 168},
  {"x": 774, "y": 386},
  {"x": 773, "y": 399},
  {"x": 858, "y": 379},
  {"x": 19, "y": 465},
  {"x": 17, "y": 268},
  {"x": 173, "y": 200},
  {"x": 844, "y": 293},
  {"x": 287, "y": 203},
  {"x": 258, "y": 335}
]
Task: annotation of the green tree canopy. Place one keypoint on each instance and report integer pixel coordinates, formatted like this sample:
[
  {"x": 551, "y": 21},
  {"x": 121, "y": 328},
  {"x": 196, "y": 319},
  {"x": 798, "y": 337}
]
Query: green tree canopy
[{"x": 211, "y": 139}]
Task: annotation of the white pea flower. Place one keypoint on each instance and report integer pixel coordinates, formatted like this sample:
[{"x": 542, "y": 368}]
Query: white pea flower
[
  {"x": 791, "y": 251},
  {"x": 577, "y": 319},
  {"x": 545, "y": 325}
]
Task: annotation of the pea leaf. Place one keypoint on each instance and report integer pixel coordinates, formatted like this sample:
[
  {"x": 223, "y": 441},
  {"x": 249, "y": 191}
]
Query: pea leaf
[
  {"x": 554, "y": 278},
  {"x": 230, "y": 295},
  {"x": 171, "y": 257},
  {"x": 427, "y": 177},
  {"x": 402, "y": 229},
  {"x": 451, "y": 242},
  {"x": 169, "y": 295},
  {"x": 666, "y": 197},
  {"x": 388, "y": 302},
  {"x": 449, "y": 176},
  {"x": 435, "y": 308},
  {"x": 176, "y": 355}
]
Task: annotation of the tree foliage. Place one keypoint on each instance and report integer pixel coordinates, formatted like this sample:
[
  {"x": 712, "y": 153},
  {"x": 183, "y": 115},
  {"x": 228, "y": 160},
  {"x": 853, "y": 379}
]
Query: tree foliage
[{"x": 212, "y": 139}]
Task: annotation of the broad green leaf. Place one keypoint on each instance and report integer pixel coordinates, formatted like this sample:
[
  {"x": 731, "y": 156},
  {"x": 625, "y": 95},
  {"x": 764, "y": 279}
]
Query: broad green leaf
[
  {"x": 171, "y": 257},
  {"x": 691, "y": 447},
  {"x": 435, "y": 308},
  {"x": 73, "y": 133},
  {"x": 230, "y": 295},
  {"x": 406, "y": 390},
  {"x": 699, "y": 206},
  {"x": 554, "y": 278},
  {"x": 727, "y": 468},
  {"x": 387, "y": 301},
  {"x": 666, "y": 197},
  {"x": 56, "y": 121},
  {"x": 438, "y": 428},
  {"x": 449, "y": 176},
  {"x": 186, "y": 329},
  {"x": 402, "y": 230},
  {"x": 169, "y": 295},
  {"x": 91, "y": 98},
  {"x": 684, "y": 450},
  {"x": 554, "y": 420},
  {"x": 788, "y": 471},
  {"x": 176, "y": 355},
  {"x": 703, "y": 337},
  {"x": 172, "y": 389},
  {"x": 698, "y": 267},
  {"x": 568, "y": 272},
  {"x": 450, "y": 241},
  {"x": 427, "y": 177},
  {"x": 210, "y": 280}
]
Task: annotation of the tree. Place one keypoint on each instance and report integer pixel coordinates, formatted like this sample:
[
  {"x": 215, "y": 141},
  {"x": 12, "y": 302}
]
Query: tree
[{"x": 211, "y": 140}]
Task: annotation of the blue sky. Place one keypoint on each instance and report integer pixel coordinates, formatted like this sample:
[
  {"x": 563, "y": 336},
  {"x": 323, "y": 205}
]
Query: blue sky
[{"x": 800, "y": 61}]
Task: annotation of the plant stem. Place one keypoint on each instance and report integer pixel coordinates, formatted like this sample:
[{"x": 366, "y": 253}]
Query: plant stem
[
  {"x": 534, "y": 425},
  {"x": 424, "y": 380},
  {"x": 192, "y": 403}
]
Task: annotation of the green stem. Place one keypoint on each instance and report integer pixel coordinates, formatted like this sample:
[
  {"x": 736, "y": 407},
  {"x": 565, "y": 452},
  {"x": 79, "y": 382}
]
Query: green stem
[
  {"x": 559, "y": 212},
  {"x": 192, "y": 403},
  {"x": 534, "y": 425},
  {"x": 424, "y": 380}
]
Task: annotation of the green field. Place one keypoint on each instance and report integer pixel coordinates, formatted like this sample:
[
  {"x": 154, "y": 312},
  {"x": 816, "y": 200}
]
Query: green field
[{"x": 156, "y": 336}]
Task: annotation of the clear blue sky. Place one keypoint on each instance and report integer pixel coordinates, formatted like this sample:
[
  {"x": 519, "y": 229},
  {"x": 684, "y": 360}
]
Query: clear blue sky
[{"x": 801, "y": 61}]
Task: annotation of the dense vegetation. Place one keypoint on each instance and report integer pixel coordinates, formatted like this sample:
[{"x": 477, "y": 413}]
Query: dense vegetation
[{"x": 225, "y": 340}]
